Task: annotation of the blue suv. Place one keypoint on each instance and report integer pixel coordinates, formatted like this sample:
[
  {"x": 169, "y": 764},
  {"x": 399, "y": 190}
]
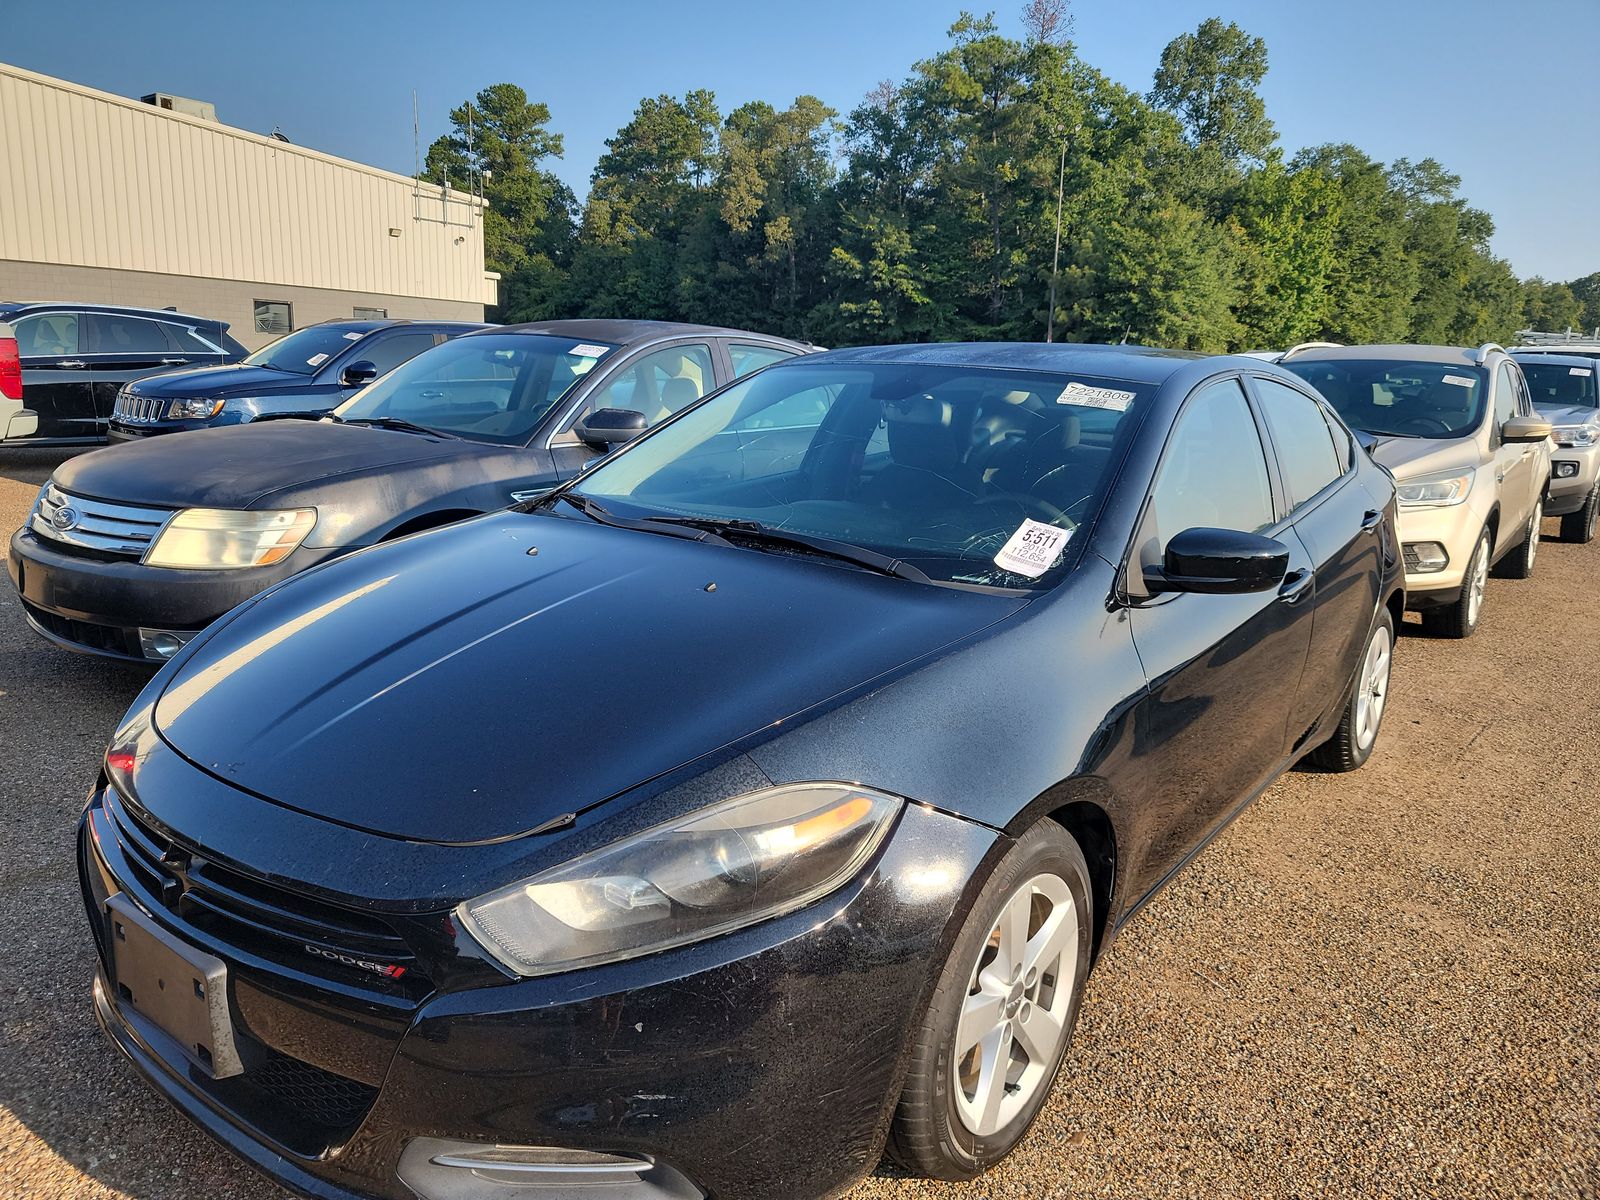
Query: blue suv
[{"x": 311, "y": 370}]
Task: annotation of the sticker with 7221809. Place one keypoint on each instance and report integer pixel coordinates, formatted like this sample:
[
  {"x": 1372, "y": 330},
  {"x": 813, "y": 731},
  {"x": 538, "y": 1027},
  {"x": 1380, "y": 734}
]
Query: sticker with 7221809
[{"x": 1033, "y": 548}]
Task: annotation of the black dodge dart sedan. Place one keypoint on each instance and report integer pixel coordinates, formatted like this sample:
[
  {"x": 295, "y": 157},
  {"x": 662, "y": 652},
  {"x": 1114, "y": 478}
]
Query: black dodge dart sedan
[
  {"x": 132, "y": 550},
  {"x": 757, "y": 801}
]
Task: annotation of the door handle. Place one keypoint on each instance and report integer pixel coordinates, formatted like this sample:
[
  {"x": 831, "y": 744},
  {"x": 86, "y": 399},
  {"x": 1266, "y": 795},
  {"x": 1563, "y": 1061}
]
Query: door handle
[
  {"x": 1500, "y": 477},
  {"x": 75, "y": 364},
  {"x": 1295, "y": 586},
  {"x": 1371, "y": 519}
]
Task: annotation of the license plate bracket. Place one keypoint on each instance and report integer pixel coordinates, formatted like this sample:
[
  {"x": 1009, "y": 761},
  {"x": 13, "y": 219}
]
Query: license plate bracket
[{"x": 181, "y": 990}]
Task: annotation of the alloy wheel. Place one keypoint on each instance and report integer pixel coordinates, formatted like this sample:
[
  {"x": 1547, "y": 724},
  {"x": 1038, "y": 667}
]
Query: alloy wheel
[
  {"x": 1372, "y": 690},
  {"x": 1479, "y": 582},
  {"x": 1014, "y": 1018}
]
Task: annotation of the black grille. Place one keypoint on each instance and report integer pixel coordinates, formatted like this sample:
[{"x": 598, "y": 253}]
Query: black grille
[
  {"x": 108, "y": 639},
  {"x": 318, "y": 1096},
  {"x": 1412, "y": 562},
  {"x": 262, "y": 918}
]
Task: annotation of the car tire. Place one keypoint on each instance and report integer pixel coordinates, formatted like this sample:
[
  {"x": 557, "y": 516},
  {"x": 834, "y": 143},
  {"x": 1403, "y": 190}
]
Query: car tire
[
  {"x": 1519, "y": 564},
  {"x": 1460, "y": 619},
  {"x": 1352, "y": 742},
  {"x": 957, "y": 1116},
  {"x": 1579, "y": 527}
]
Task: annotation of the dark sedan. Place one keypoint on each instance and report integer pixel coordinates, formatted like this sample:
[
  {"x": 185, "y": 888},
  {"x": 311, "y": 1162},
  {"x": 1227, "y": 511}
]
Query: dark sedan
[
  {"x": 761, "y": 797},
  {"x": 310, "y": 371},
  {"x": 76, "y": 357},
  {"x": 131, "y": 550}
]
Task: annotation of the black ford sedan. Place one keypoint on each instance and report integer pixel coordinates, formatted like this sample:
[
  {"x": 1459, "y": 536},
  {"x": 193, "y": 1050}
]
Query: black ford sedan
[
  {"x": 132, "y": 550},
  {"x": 759, "y": 800}
]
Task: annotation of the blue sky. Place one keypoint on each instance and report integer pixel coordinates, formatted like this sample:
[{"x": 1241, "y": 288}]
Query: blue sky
[{"x": 1474, "y": 84}]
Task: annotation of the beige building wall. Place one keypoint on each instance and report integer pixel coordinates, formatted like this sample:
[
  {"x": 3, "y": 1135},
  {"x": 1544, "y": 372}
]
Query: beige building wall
[{"x": 138, "y": 203}]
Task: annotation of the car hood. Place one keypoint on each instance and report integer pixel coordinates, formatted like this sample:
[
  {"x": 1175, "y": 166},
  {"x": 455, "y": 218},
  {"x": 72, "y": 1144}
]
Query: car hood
[
  {"x": 1408, "y": 457},
  {"x": 1568, "y": 414},
  {"x": 222, "y": 382},
  {"x": 457, "y": 687},
  {"x": 237, "y": 465}
]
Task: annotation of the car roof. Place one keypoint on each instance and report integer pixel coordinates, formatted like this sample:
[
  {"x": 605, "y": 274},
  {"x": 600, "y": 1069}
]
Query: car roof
[
  {"x": 1560, "y": 360},
  {"x": 1139, "y": 364},
  {"x": 1398, "y": 351},
  {"x": 12, "y": 308},
  {"x": 628, "y": 332}
]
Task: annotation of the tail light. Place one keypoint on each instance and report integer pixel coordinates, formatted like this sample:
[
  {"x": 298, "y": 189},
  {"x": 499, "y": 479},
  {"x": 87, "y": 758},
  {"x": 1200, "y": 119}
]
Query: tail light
[{"x": 10, "y": 369}]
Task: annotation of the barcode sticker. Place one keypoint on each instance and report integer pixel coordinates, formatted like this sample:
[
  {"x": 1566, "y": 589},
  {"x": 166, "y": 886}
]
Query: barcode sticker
[
  {"x": 1580, "y": 371},
  {"x": 353, "y": 336},
  {"x": 316, "y": 360},
  {"x": 584, "y": 350},
  {"x": 1033, "y": 548},
  {"x": 1460, "y": 380},
  {"x": 1095, "y": 397}
]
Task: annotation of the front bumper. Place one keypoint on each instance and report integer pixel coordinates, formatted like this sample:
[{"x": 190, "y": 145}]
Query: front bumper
[
  {"x": 98, "y": 605},
  {"x": 1573, "y": 475},
  {"x": 1455, "y": 527},
  {"x": 761, "y": 1064}
]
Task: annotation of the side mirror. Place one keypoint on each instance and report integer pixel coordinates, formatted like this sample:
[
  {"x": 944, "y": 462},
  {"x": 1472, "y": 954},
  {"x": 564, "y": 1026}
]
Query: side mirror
[
  {"x": 359, "y": 373},
  {"x": 1525, "y": 429},
  {"x": 1219, "y": 560},
  {"x": 608, "y": 427}
]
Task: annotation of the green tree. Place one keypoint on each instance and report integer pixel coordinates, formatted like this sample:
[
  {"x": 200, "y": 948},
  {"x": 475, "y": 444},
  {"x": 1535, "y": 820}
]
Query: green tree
[
  {"x": 1587, "y": 292},
  {"x": 1553, "y": 307},
  {"x": 1210, "y": 79}
]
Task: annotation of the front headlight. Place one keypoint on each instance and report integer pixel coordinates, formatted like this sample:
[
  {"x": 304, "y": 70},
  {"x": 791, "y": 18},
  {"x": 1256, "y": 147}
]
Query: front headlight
[
  {"x": 218, "y": 538},
  {"x": 742, "y": 861},
  {"x": 193, "y": 410},
  {"x": 1432, "y": 490},
  {"x": 1576, "y": 437}
]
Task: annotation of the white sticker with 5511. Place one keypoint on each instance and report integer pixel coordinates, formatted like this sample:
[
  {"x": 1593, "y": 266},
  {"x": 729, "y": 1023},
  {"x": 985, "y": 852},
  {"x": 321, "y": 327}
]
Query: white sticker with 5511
[{"x": 1033, "y": 548}]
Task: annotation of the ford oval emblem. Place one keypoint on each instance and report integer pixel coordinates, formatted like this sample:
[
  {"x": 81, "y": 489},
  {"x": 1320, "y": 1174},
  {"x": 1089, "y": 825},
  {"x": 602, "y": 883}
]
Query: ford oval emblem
[{"x": 66, "y": 517}]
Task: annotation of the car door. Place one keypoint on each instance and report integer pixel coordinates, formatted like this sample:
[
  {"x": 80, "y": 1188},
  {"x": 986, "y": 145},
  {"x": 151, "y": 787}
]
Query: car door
[
  {"x": 657, "y": 382},
  {"x": 55, "y": 374},
  {"x": 1536, "y": 457},
  {"x": 1515, "y": 465},
  {"x": 1341, "y": 527},
  {"x": 1223, "y": 670},
  {"x": 120, "y": 347}
]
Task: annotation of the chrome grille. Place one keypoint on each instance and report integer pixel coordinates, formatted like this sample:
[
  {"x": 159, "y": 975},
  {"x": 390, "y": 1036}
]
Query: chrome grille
[
  {"x": 137, "y": 409},
  {"x": 121, "y": 529}
]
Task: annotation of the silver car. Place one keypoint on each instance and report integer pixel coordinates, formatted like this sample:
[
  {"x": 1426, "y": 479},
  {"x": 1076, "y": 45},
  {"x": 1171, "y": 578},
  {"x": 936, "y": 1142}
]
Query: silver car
[
  {"x": 1564, "y": 392},
  {"x": 1470, "y": 457}
]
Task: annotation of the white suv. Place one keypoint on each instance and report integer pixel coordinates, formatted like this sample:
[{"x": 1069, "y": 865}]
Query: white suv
[{"x": 1470, "y": 457}]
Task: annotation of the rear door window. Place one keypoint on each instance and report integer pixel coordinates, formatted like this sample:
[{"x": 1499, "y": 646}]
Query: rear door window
[
  {"x": 388, "y": 352},
  {"x": 746, "y": 358},
  {"x": 114, "y": 333},
  {"x": 46, "y": 335}
]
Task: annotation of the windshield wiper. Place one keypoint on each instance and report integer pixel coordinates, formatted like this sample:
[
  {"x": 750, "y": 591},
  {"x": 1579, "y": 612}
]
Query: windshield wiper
[
  {"x": 399, "y": 423},
  {"x": 602, "y": 515},
  {"x": 754, "y": 531}
]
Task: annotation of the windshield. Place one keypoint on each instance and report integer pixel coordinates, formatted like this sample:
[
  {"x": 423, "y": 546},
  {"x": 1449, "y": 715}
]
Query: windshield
[
  {"x": 1560, "y": 383},
  {"x": 303, "y": 351},
  {"x": 1400, "y": 399},
  {"x": 943, "y": 468},
  {"x": 491, "y": 387}
]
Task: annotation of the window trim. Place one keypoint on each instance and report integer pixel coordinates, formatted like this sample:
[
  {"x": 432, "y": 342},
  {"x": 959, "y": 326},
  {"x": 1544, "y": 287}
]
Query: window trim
[{"x": 288, "y": 306}]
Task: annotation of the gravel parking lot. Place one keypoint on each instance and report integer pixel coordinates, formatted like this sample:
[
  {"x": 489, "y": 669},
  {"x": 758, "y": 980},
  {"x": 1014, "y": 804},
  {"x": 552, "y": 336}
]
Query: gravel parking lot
[{"x": 1381, "y": 984}]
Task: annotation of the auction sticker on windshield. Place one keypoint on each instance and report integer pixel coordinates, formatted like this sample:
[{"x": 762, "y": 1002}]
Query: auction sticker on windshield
[
  {"x": 1085, "y": 396},
  {"x": 587, "y": 351},
  {"x": 1033, "y": 548},
  {"x": 1459, "y": 380}
]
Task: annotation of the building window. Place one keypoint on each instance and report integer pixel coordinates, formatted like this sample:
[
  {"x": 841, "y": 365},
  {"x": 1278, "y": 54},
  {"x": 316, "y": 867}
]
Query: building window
[
  {"x": 274, "y": 316},
  {"x": 369, "y": 314}
]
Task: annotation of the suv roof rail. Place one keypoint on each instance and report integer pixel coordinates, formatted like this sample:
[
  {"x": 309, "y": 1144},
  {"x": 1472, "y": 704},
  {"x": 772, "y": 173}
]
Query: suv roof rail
[
  {"x": 1482, "y": 353},
  {"x": 1295, "y": 349},
  {"x": 1533, "y": 337}
]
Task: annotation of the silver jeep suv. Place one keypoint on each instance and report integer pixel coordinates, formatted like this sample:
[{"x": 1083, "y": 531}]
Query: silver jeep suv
[
  {"x": 1565, "y": 394},
  {"x": 1470, "y": 457}
]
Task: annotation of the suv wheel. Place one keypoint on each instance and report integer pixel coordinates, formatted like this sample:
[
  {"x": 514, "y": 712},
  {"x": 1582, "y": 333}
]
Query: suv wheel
[
  {"x": 1458, "y": 620},
  {"x": 1002, "y": 1013},
  {"x": 1351, "y": 744},
  {"x": 1579, "y": 526},
  {"x": 1520, "y": 564}
]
